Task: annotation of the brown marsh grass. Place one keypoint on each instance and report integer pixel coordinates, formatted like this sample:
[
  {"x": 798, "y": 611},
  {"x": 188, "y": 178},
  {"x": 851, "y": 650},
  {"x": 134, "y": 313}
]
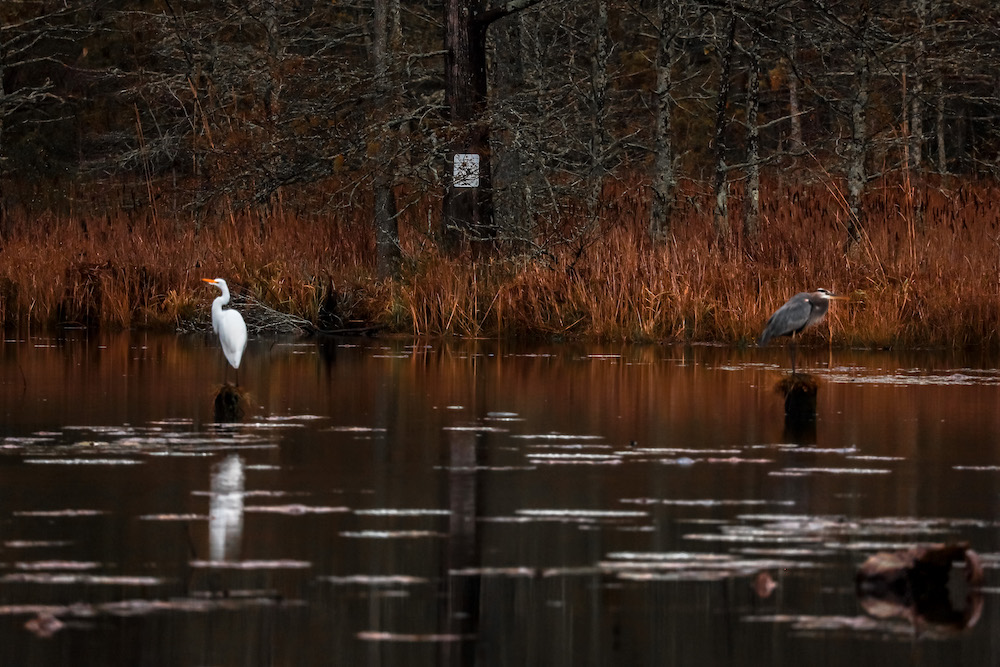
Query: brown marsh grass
[{"x": 914, "y": 280}]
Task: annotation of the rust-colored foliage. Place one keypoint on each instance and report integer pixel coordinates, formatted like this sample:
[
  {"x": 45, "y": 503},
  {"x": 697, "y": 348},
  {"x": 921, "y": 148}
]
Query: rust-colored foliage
[{"x": 927, "y": 279}]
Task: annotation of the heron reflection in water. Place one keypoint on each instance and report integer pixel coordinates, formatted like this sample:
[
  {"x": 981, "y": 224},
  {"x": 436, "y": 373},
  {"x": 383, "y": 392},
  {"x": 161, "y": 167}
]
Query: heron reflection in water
[{"x": 801, "y": 311}]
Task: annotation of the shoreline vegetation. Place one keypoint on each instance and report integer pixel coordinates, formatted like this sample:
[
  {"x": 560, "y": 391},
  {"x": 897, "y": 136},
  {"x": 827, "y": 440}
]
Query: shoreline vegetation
[
  {"x": 925, "y": 273},
  {"x": 667, "y": 171}
]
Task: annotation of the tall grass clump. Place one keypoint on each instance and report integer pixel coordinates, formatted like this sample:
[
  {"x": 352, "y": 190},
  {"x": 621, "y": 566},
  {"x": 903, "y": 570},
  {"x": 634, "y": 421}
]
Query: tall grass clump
[
  {"x": 123, "y": 270},
  {"x": 927, "y": 282}
]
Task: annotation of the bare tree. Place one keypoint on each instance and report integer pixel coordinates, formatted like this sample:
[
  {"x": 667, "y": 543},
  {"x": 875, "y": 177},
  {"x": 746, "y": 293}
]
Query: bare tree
[
  {"x": 515, "y": 106},
  {"x": 234, "y": 104},
  {"x": 599, "y": 111},
  {"x": 720, "y": 185},
  {"x": 796, "y": 145},
  {"x": 751, "y": 210},
  {"x": 664, "y": 177},
  {"x": 857, "y": 151},
  {"x": 37, "y": 41},
  {"x": 468, "y": 210},
  {"x": 385, "y": 49},
  {"x": 916, "y": 119}
]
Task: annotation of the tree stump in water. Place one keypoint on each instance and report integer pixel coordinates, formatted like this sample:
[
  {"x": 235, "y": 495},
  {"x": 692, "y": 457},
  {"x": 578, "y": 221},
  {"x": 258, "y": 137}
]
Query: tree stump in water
[
  {"x": 229, "y": 403},
  {"x": 799, "y": 390},
  {"x": 922, "y": 586}
]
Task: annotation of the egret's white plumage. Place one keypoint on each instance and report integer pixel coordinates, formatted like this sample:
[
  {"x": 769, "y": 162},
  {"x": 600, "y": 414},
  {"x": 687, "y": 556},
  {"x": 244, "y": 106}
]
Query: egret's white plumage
[{"x": 228, "y": 324}]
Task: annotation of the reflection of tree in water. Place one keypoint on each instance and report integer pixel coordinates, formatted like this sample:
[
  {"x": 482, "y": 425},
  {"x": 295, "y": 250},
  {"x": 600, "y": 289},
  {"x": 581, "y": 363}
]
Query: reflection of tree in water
[
  {"x": 461, "y": 608},
  {"x": 225, "y": 520}
]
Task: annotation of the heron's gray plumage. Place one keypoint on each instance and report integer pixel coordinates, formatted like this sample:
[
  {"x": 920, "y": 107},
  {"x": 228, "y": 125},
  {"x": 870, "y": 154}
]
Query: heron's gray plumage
[{"x": 801, "y": 311}]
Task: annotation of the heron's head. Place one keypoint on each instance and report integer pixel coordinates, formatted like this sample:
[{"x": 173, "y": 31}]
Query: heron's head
[
  {"x": 218, "y": 282},
  {"x": 824, "y": 293}
]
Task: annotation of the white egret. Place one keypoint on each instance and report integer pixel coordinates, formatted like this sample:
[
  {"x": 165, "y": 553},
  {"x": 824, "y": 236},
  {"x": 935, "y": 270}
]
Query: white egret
[{"x": 229, "y": 325}]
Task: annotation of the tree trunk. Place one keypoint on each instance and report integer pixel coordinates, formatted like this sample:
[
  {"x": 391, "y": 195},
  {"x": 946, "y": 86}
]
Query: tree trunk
[
  {"x": 468, "y": 211},
  {"x": 796, "y": 145},
  {"x": 939, "y": 124},
  {"x": 272, "y": 85},
  {"x": 664, "y": 178},
  {"x": 751, "y": 211},
  {"x": 917, "y": 116},
  {"x": 942, "y": 153},
  {"x": 4, "y": 221},
  {"x": 510, "y": 159},
  {"x": 599, "y": 84},
  {"x": 858, "y": 148},
  {"x": 386, "y": 43},
  {"x": 721, "y": 185}
]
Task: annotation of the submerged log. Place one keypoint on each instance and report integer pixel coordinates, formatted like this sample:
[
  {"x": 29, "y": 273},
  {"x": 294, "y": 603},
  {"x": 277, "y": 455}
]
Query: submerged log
[
  {"x": 230, "y": 402},
  {"x": 799, "y": 390},
  {"x": 921, "y": 586}
]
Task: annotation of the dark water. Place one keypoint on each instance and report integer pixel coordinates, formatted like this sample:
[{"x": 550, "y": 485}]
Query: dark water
[{"x": 399, "y": 502}]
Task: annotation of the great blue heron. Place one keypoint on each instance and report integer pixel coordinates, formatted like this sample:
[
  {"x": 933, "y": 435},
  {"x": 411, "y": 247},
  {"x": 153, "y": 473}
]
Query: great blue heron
[{"x": 801, "y": 311}]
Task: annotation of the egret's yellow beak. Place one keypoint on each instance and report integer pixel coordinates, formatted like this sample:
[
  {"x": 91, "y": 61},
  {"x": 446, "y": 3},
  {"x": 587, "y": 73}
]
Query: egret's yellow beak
[{"x": 209, "y": 280}]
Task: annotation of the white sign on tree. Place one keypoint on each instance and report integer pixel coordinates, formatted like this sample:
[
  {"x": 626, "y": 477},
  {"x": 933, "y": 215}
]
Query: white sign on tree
[{"x": 466, "y": 171}]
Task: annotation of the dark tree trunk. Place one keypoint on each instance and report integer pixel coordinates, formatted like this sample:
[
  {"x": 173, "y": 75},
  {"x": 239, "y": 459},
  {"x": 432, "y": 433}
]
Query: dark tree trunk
[
  {"x": 795, "y": 143},
  {"x": 510, "y": 168},
  {"x": 941, "y": 128},
  {"x": 599, "y": 85},
  {"x": 387, "y": 250},
  {"x": 4, "y": 231},
  {"x": 858, "y": 148},
  {"x": 664, "y": 176},
  {"x": 467, "y": 214},
  {"x": 916, "y": 152},
  {"x": 720, "y": 215},
  {"x": 468, "y": 211},
  {"x": 751, "y": 212}
]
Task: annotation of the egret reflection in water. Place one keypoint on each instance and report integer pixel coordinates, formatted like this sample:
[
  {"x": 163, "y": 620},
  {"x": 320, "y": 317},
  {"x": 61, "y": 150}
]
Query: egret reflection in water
[{"x": 225, "y": 521}]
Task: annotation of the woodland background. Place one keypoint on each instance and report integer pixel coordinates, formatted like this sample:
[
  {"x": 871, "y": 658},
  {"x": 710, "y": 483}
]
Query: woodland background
[{"x": 653, "y": 169}]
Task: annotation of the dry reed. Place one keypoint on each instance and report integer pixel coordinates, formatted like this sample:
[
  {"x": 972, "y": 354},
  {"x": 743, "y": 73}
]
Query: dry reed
[{"x": 916, "y": 279}]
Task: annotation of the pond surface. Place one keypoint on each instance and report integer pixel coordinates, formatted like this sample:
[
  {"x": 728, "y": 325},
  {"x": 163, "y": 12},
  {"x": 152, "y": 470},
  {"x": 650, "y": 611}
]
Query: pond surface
[{"x": 391, "y": 502}]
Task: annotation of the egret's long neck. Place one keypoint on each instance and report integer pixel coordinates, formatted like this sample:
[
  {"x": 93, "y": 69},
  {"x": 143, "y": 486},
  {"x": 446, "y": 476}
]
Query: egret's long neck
[{"x": 217, "y": 305}]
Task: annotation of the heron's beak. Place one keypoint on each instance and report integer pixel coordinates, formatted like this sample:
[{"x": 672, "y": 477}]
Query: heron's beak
[
  {"x": 840, "y": 297},
  {"x": 209, "y": 280}
]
